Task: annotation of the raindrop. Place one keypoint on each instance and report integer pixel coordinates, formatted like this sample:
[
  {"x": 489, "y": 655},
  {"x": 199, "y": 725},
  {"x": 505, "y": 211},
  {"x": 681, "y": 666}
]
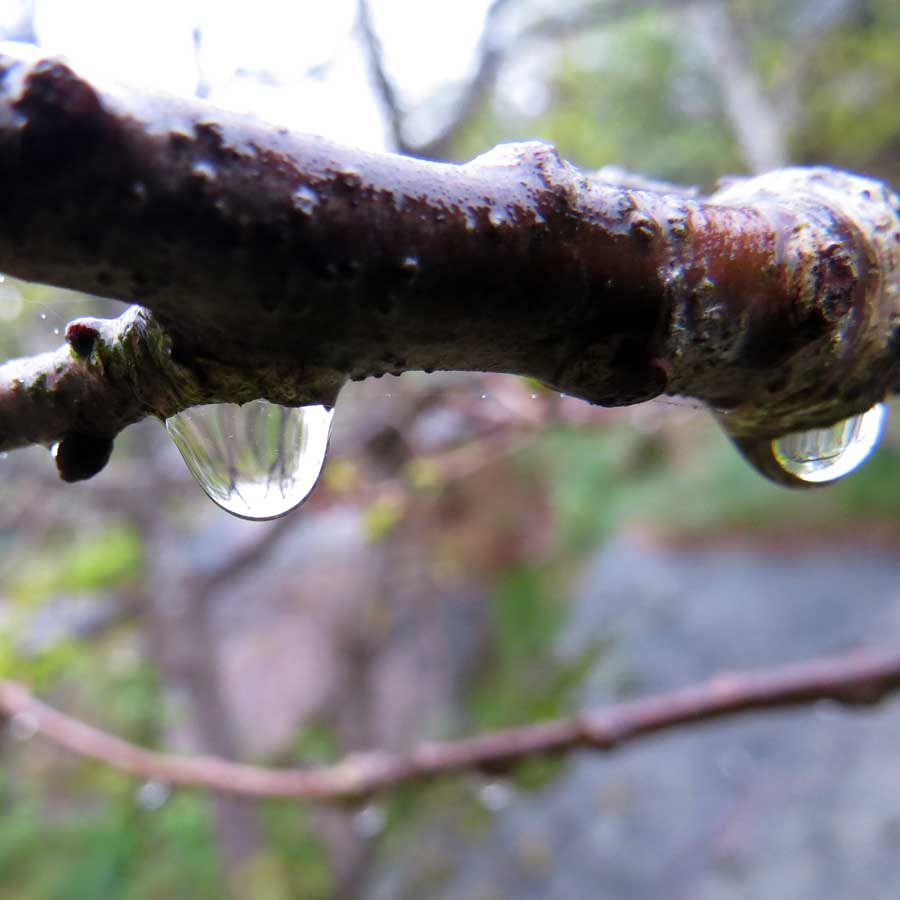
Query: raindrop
[
  {"x": 495, "y": 796},
  {"x": 203, "y": 168},
  {"x": 818, "y": 455},
  {"x": 23, "y": 726},
  {"x": 498, "y": 218},
  {"x": 152, "y": 795},
  {"x": 826, "y": 454},
  {"x": 369, "y": 822},
  {"x": 256, "y": 461},
  {"x": 305, "y": 200}
]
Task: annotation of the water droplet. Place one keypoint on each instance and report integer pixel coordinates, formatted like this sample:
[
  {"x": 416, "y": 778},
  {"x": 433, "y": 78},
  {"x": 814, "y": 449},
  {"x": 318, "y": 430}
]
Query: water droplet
[
  {"x": 826, "y": 454},
  {"x": 23, "y": 726},
  {"x": 496, "y": 796},
  {"x": 369, "y": 822},
  {"x": 818, "y": 455},
  {"x": 305, "y": 200},
  {"x": 498, "y": 217},
  {"x": 203, "y": 168},
  {"x": 152, "y": 795},
  {"x": 256, "y": 461},
  {"x": 43, "y": 315}
]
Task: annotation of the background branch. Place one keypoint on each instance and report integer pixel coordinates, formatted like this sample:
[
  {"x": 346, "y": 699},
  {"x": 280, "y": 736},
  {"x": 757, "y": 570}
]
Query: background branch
[{"x": 862, "y": 678}]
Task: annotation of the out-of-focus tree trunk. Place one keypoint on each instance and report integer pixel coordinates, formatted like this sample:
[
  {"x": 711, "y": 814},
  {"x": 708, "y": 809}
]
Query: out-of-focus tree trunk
[{"x": 751, "y": 114}]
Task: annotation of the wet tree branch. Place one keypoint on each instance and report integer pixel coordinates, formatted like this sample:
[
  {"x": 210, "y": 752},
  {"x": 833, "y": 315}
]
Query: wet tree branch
[
  {"x": 270, "y": 264},
  {"x": 860, "y": 679}
]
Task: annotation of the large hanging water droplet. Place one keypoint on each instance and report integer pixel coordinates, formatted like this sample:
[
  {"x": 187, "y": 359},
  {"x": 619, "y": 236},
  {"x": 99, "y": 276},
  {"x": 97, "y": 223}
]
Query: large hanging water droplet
[
  {"x": 256, "y": 461},
  {"x": 819, "y": 455}
]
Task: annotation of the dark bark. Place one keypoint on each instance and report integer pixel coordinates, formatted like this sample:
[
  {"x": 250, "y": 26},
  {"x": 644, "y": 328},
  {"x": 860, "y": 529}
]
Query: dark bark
[{"x": 279, "y": 265}]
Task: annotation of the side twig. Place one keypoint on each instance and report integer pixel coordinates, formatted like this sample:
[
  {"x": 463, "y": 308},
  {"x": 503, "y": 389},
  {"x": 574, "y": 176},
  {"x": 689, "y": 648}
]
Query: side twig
[{"x": 862, "y": 678}]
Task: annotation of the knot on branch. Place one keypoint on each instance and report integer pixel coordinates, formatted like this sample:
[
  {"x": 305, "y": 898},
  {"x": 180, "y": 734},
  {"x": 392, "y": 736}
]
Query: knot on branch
[{"x": 837, "y": 260}]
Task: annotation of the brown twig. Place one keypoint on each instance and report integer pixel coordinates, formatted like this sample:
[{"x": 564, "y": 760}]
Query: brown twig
[{"x": 862, "y": 678}]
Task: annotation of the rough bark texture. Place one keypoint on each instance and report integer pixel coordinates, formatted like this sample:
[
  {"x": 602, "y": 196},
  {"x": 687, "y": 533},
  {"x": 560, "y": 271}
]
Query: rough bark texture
[{"x": 279, "y": 265}]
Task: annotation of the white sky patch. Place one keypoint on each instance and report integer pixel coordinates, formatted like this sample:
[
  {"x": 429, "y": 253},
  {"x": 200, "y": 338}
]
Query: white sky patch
[
  {"x": 428, "y": 44},
  {"x": 146, "y": 44},
  {"x": 285, "y": 39},
  {"x": 256, "y": 57}
]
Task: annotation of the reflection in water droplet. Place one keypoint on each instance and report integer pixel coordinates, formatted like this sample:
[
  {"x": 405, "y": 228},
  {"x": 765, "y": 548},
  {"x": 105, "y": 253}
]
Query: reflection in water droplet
[
  {"x": 817, "y": 456},
  {"x": 256, "y": 461},
  {"x": 826, "y": 454}
]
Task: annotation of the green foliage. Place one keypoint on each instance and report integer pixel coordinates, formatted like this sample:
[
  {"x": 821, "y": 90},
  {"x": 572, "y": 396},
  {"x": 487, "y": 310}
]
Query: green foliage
[
  {"x": 604, "y": 480},
  {"x": 523, "y": 683},
  {"x": 300, "y": 858},
  {"x": 116, "y": 850},
  {"x": 78, "y": 563},
  {"x": 850, "y": 95},
  {"x": 626, "y": 95}
]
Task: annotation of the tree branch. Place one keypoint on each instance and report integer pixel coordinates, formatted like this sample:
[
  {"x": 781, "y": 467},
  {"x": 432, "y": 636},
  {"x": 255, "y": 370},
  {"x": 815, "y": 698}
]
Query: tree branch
[
  {"x": 863, "y": 678},
  {"x": 278, "y": 265}
]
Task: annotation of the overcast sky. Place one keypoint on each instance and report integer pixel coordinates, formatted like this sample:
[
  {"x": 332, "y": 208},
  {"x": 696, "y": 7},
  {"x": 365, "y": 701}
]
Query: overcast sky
[{"x": 151, "y": 43}]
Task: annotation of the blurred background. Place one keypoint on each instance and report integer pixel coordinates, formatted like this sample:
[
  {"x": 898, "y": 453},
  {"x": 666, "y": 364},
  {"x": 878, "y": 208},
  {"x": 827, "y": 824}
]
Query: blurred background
[{"x": 480, "y": 552}]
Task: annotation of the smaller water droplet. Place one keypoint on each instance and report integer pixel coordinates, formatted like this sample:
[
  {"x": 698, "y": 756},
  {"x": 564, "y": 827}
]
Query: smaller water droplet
[
  {"x": 256, "y": 461},
  {"x": 495, "y": 796},
  {"x": 44, "y": 316},
  {"x": 484, "y": 396},
  {"x": 56, "y": 331},
  {"x": 152, "y": 795},
  {"x": 23, "y": 726},
  {"x": 369, "y": 822},
  {"x": 305, "y": 200},
  {"x": 820, "y": 455},
  {"x": 203, "y": 168},
  {"x": 534, "y": 396},
  {"x": 498, "y": 217}
]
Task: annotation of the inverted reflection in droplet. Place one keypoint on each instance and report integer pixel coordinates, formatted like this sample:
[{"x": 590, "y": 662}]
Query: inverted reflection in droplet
[
  {"x": 820, "y": 455},
  {"x": 256, "y": 461},
  {"x": 817, "y": 456}
]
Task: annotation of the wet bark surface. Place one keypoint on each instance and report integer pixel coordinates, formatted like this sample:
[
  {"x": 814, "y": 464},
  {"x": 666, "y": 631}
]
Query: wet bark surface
[{"x": 278, "y": 265}]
